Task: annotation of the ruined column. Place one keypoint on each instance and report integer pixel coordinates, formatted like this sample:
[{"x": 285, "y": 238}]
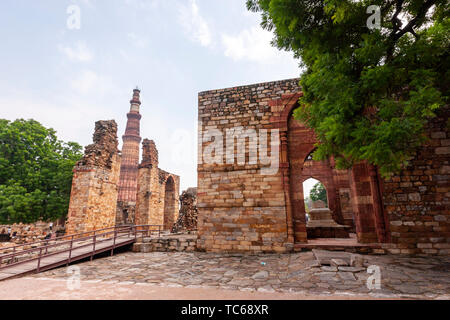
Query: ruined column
[
  {"x": 126, "y": 203},
  {"x": 95, "y": 182},
  {"x": 147, "y": 193}
]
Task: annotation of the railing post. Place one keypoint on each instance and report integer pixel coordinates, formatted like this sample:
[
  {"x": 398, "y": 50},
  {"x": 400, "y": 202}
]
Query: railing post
[
  {"x": 46, "y": 247},
  {"x": 114, "y": 242},
  {"x": 70, "y": 250},
  {"x": 39, "y": 260},
  {"x": 93, "y": 248}
]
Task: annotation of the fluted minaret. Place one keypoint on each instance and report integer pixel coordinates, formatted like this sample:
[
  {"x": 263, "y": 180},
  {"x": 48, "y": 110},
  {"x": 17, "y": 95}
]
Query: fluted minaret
[{"x": 130, "y": 155}]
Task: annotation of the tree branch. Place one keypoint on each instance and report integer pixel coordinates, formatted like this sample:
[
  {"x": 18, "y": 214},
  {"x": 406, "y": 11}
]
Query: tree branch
[{"x": 397, "y": 33}]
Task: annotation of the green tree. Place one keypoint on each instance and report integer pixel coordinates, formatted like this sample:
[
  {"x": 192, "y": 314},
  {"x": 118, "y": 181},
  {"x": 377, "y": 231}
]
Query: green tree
[
  {"x": 368, "y": 92},
  {"x": 35, "y": 172},
  {"x": 318, "y": 192}
]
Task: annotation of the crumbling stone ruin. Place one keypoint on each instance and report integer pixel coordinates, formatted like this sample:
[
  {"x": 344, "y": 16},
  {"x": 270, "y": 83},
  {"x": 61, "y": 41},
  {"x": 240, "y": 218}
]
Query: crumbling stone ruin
[
  {"x": 110, "y": 188},
  {"x": 251, "y": 198},
  {"x": 20, "y": 233},
  {"x": 158, "y": 190},
  {"x": 93, "y": 198},
  {"x": 187, "y": 220}
]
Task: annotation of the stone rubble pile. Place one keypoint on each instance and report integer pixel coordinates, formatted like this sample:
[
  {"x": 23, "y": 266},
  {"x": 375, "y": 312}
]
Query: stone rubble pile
[
  {"x": 187, "y": 220},
  {"x": 22, "y": 234},
  {"x": 345, "y": 263}
]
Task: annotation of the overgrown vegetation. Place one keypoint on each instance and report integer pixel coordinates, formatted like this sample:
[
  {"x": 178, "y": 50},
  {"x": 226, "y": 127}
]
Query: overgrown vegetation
[
  {"x": 35, "y": 172},
  {"x": 368, "y": 92}
]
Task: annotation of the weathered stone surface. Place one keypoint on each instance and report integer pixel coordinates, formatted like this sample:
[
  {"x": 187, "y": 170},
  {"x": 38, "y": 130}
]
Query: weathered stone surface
[
  {"x": 187, "y": 219},
  {"x": 324, "y": 257},
  {"x": 243, "y": 209},
  {"x": 94, "y": 193},
  {"x": 260, "y": 275},
  {"x": 351, "y": 269},
  {"x": 338, "y": 262},
  {"x": 346, "y": 276},
  {"x": 158, "y": 191},
  {"x": 235, "y": 273},
  {"x": 356, "y": 260}
]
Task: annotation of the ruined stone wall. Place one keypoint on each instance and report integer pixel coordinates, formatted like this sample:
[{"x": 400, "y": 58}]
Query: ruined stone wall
[
  {"x": 95, "y": 183},
  {"x": 240, "y": 207},
  {"x": 187, "y": 219},
  {"x": 418, "y": 199},
  {"x": 154, "y": 202}
]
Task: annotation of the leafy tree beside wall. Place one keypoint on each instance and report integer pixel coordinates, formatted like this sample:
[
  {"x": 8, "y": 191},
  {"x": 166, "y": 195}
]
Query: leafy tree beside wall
[
  {"x": 369, "y": 89},
  {"x": 35, "y": 172},
  {"x": 318, "y": 192}
]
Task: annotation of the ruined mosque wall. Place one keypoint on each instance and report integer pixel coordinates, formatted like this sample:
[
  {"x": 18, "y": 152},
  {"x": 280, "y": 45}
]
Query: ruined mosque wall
[
  {"x": 95, "y": 182},
  {"x": 240, "y": 207},
  {"x": 158, "y": 191},
  {"x": 418, "y": 199}
]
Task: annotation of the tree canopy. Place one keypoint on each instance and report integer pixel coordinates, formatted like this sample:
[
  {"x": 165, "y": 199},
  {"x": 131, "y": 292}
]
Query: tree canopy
[
  {"x": 368, "y": 92},
  {"x": 35, "y": 172},
  {"x": 318, "y": 192}
]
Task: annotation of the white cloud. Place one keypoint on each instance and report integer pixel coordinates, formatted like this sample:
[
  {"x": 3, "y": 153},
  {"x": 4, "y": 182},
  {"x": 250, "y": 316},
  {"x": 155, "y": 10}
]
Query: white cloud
[
  {"x": 79, "y": 52},
  {"x": 194, "y": 24},
  {"x": 137, "y": 40},
  {"x": 251, "y": 44},
  {"x": 89, "y": 81}
]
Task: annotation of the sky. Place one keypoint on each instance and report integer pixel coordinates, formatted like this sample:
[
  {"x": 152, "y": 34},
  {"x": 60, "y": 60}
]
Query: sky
[{"x": 68, "y": 73}]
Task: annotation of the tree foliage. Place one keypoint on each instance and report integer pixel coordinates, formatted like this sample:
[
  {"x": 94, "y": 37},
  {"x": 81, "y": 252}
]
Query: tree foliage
[
  {"x": 318, "y": 192},
  {"x": 35, "y": 172},
  {"x": 368, "y": 93}
]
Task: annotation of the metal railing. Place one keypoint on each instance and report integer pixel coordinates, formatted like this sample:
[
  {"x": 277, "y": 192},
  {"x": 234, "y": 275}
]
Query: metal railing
[{"x": 52, "y": 247}]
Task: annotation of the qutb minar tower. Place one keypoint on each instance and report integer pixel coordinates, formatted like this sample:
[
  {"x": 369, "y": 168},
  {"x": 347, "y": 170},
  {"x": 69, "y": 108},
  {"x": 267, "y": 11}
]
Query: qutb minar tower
[{"x": 126, "y": 205}]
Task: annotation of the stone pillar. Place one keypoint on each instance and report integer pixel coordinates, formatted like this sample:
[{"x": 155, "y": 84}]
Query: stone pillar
[
  {"x": 95, "y": 183},
  {"x": 363, "y": 203},
  {"x": 147, "y": 193},
  {"x": 130, "y": 163}
]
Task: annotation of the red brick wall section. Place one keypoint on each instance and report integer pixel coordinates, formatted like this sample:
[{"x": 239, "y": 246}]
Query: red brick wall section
[{"x": 240, "y": 209}]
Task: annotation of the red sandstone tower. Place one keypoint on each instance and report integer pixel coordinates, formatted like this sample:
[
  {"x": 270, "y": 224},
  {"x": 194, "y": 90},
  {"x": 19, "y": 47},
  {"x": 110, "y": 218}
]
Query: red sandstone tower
[{"x": 130, "y": 163}]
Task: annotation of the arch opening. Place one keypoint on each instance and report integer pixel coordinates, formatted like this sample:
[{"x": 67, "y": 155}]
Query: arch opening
[{"x": 170, "y": 207}]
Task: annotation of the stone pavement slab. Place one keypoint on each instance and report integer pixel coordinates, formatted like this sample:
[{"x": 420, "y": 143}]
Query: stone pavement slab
[{"x": 296, "y": 273}]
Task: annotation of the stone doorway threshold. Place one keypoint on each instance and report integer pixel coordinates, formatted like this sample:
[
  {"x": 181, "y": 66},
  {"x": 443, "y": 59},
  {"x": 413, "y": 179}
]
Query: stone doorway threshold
[{"x": 338, "y": 244}]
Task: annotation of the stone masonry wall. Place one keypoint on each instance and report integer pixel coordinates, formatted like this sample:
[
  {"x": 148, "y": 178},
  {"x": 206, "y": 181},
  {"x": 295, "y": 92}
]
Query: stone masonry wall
[
  {"x": 418, "y": 200},
  {"x": 156, "y": 198},
  {"x": 171, "y": 243},
  {"x": 244, "y": 208},
  {"x": 95, "y": 183},
  {"x": 240, "y": 208},
  {"x": 187, "y": 219}
]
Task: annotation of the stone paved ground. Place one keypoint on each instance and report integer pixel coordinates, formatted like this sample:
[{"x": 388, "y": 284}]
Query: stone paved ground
[{"x": 401, "y": 277}]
